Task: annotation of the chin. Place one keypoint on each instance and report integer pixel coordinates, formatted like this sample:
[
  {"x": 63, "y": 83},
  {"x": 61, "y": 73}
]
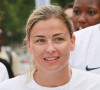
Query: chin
[{"x": 55, "y": 68}]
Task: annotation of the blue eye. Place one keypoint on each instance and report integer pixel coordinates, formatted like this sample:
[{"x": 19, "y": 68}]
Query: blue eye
[
  {"x": 91, "y": 12},
  {"x": 40, "y": 40},
  {"x": 59, "y": 39}
]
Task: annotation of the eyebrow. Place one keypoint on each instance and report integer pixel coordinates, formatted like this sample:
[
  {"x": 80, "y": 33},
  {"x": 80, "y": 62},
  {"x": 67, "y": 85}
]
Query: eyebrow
[
  {"x": 91, "y": 7},
  {"x": 39, "y": 36},
  {"x": 58, "y": 34},
  {"x": 53, "y": 35}
]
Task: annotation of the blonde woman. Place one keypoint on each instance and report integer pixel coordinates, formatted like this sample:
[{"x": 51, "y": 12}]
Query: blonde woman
[{"x": 49, "y": 39}]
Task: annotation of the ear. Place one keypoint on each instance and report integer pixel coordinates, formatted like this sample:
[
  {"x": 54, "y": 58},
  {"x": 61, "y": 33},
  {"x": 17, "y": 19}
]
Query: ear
[
  {"x": 72, "y": 43},
  {"x": 28, "y": 46}
]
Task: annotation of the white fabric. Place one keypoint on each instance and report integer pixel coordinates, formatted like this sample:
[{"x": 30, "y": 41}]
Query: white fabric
[
  {"x": 87, "y": 49},
  {"x": 39, "y": 3},
  {"x": 80, "y": 81},
  {"x": 3, "y": 73}
]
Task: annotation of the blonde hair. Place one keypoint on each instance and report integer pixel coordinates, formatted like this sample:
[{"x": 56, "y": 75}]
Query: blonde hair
[{"x": 47, "y": 12}]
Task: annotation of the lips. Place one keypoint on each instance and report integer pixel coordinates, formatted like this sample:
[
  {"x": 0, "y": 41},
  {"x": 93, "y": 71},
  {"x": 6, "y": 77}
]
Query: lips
[
  {"x": 78, "y": 28},
  {"x": 51, "y": 59}
]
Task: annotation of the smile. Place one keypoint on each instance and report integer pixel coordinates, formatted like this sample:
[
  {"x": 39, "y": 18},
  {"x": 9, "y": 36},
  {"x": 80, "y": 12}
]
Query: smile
[{"x": 51, "y": 59}]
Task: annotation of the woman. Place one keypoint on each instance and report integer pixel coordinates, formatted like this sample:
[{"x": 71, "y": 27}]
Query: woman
[
  {"x": 85, "y": 13},
  {"x": 86, "y": 56},
  {"x": 49, "y": 38}
]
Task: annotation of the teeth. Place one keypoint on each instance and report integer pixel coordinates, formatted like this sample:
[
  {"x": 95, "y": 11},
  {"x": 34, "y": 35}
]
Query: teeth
[{"x": 50, "y": 59}]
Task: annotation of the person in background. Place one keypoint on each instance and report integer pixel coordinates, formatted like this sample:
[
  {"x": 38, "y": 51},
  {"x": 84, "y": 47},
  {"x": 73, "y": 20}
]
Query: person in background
[
  {"x": 69, "y": 9},
  {"x": 8, "y": 67},
  {"x": 87, "y": 45},
  {"x": 3, "y": 73},
  {"x": 49, "y": 39},
  {"x": 9, "y": 56},
  {"x": 86, "y": 55},
  {"x": 85, "y": 13}
]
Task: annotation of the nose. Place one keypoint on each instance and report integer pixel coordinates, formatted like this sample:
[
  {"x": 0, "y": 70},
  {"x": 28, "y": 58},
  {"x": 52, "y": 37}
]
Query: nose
[
  {"x": 82, "y": 19},
  {"x": 50, "y": 48}
]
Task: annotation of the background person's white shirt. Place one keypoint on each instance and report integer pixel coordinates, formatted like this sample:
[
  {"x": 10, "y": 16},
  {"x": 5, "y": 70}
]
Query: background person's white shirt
[
  {"x": 86, "y": 55},
  {"x": 3, "y": 73}
]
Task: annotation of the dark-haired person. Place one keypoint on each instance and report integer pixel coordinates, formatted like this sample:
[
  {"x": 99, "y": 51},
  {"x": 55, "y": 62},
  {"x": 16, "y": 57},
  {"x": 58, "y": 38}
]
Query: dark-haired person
[
  {"x": 9, "y": 55},
  {"x": 85, "y": 13},
  {"x": 86, "y": 55}
]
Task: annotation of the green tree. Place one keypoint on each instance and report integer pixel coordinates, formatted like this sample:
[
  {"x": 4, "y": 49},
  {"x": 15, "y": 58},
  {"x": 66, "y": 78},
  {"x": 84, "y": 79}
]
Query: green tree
[
  {"x": 62, "y": 3},
  {"x": 15, "y": 14},
  {"x": 13, "y": 17}
]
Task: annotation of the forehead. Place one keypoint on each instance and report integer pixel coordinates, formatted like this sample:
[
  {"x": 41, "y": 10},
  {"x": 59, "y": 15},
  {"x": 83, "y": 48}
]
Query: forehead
[
  {"x": 88, "y": 3},
  {"x": 52, "y": 25}
]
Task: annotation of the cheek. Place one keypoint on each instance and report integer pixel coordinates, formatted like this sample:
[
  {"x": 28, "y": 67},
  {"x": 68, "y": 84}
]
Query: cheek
[
  {"x": 65, "y": 49},
  {"x": 96, "y": 20},
  {"x": 74, "y": 19},
  {"x": 65, "y": 54},
  {"x": 95, "y": 17},
  {"x": 37, "y": 51}
]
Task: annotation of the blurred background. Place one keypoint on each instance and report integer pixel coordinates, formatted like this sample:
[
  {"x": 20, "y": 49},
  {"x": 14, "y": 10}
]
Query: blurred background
[{"x": 13, "y": 17}]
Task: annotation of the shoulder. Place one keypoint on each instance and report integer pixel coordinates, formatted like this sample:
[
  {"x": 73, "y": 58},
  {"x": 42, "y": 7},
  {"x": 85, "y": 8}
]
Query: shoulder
[
  {"x": 3, "y": 73},
  {"x": 83, "y": 80},
  {"x": 86, "y": 38},
  {"x": 86, "y": 77},
  {"x": 21, "y": 82},
  {"x": 2, "y": 68},
  {"x": 13, "y": 83}
]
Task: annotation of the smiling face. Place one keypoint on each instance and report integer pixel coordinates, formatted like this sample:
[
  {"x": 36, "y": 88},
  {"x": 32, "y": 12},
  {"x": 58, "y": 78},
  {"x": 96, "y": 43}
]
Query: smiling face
[
  {"x": 50, "y": 43},
  {"x": 86, "y": 13}
]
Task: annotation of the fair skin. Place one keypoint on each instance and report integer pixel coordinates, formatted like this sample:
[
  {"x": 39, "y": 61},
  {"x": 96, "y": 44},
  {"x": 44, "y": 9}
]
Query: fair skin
[
  {"x": 69, "y": 12},
  {"x": 50, "y": 44},
  {"x": 86, "y": 13}
]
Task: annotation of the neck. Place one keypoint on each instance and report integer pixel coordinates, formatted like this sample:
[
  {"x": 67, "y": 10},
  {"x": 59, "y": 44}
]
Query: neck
[{"x": 53, "y": 79}]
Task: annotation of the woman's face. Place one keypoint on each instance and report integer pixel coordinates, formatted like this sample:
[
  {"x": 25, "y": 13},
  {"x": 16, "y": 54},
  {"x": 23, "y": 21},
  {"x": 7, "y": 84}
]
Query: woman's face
[
  {"x": 85, "y": 13},
  {"x": 50, "y": 44}
]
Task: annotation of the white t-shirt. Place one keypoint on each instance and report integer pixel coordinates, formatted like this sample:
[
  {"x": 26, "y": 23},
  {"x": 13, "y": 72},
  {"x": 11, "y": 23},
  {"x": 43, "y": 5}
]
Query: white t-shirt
[
  {"x": 3, "y": 73},
  {"x": 86, "y": 55},
  {"x": 80, "y": 80}
]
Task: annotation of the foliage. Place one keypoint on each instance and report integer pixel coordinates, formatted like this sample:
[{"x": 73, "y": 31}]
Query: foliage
[
  {"x": 61, "y": 2},
  {"x": 15, "y": 14},
  {"x": 13, "y": 17}
]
